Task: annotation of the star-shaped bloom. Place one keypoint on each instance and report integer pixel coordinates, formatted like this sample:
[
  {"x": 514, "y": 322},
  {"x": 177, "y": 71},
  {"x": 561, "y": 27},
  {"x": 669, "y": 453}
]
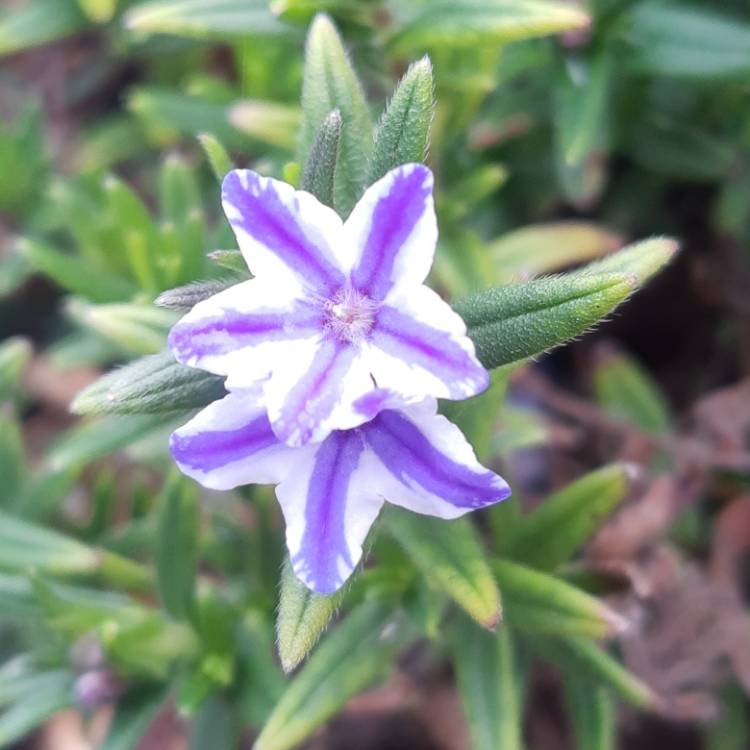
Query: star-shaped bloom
[
  {"x": 331, "y": 492},
  {"x": 336, "y": 310}
]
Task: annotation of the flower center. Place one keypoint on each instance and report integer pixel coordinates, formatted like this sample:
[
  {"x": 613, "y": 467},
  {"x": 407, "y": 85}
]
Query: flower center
[{"x": 349, "y": 315}]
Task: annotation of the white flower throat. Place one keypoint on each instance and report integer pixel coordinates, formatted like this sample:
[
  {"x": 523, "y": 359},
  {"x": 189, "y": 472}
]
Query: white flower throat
[{"x": 349, "y": 315}]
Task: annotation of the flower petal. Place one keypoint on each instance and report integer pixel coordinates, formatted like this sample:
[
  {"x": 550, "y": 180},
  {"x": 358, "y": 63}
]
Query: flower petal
[
  {"x": 428, "y": 465},
  {"x": 316, "y": 392},
  {"x": 395, "y": 230},
  {"x": 416, "y": 359},
  {"x": 230, "y": 443},
  {"x": 329, "y": 505},
  {"x": 283, "y": 232},
  {"x": 242, "y": 329}
]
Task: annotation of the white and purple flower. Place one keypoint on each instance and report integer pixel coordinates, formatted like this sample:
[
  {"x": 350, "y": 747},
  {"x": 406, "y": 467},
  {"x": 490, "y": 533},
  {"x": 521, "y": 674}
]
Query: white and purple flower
[
  {"x": 336, "y": 311},
  {"x": 331, "y": 492}
]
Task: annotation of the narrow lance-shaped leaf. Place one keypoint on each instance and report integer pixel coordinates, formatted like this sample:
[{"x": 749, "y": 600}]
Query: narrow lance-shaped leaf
[
  {"x": 75, "y": 274},
  {"x": 49, "y": 696},
  {"x": 15, "y": 354},
  {"x": 231, "y": 259},
  {"x": 330, "y": 83},
  {"x": 579, "y": 655},
  {"x": 358, "y": 652},
  {"x": 150, "y": 385},
  {"x": 318, "y": 176},
  {"x": 12, "y": 460},
  {"x": 447, "y": 23},
  {"x": 269, "y": 122},
  {"x": 403, "y": 133},
  {"x": 184, "y": 298},
  {"x": 218, "y": 19},
  {"x": 541, "y": 248},
  {"x": 217, "y": 155},
  {"x": 626, "y": 391},
  {"x": 450, "y": 556},
  {"x": 521, "y": 320},
  {"x": 25, "y": 546},
  {"x": 489, "y": 685},
  {"x": 551, "y": 534},
  {"x": 592, "y": 712},
  {"x": 302, "y": 616},
  {"x": 538, "y": 602},
  {"x": 176, "y": 546},
  {"x": 691, "y": 42},
  {"x": 138, "y": 328}
]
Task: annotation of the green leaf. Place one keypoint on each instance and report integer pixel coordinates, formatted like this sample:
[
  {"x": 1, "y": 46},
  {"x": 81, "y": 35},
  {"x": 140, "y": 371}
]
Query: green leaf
[
  {"x": 692, "y": 42},
  {"x": 318, "y": 176},
  {"x": 217, "y": 156},
  {"x": 489, "y": 685},
  {"x": 133, "y": 716},
  {"x": 540, "y": 248},
  {"x": 91, "y": 440},
  {"x": 184, "y": 298},
  {"x": 15, "y": 354},
  {"x": 155, "y": 384},
  {"x": 196, "y": 18},
  {"x": 356, "y": 654},
  {"x": 679, "y": 149},
  {"x": 579, "y": 655},
  {"x": 98, "y": 11},
  {"x": 269, "y": 122},
  {"x": 231, "y": 259},
  {"x": 403, "y": 133},
  {"x": 450, "y": 556},
  {"x": 25, "y": 546},
  {"x": 538, "y": 602},
  {"x": 214, "y": 725},
  {"x": 302, "y": 616},
  {"x": 330, "y": 83},
  {"x": 138, "y": 328},
  {"x": 74, "y": 274},
  {"x": 38, "y": 22},
  {"x": 582, "y": 106},
  {"x": 551, "y": 534},
  {"x": 176, "y": 551},
  {"x": 521, "y": 320},
  {"x": 626, "y": 391},
  {"x": 12, "y": 458},
  {"x": 52, "y": 693},
  {"x": 592, "y": 712},
  {"x": 468, "y": 23}
]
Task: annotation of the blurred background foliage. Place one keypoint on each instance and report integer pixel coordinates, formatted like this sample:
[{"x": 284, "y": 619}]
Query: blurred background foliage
[{"x": 562, "y": 130}]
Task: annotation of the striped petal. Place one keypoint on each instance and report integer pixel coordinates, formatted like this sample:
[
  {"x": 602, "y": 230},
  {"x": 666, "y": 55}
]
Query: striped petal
[
  {"x": 230, "y": 443},
  {"x": 394, "y": 229},
  {"x": 415, "y": 358},
  {"x": 244, "y": 330},
  {"x": 329, "y": 504},
  {"x": 283, "y": 233},
  {"x": 427, "y": 465}
]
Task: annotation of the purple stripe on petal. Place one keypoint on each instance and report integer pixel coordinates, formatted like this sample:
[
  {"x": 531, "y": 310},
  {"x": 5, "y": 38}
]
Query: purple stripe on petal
[
  {"x": 323, "y": 559},
  {"x": 431, "y": 349},
  {"x": 261, "y": 212},
  {"x": 394, "y": 217},
  {"x": 205, "y": 451},
  {"x": 315, "y": 395},
  {"x": 232, "y": 329},
  {"x": 408, "y": 454}
]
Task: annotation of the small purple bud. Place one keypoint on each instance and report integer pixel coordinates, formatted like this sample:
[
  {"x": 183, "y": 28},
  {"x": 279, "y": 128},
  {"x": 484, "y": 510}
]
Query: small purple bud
[{"x": 96, "y": 688}]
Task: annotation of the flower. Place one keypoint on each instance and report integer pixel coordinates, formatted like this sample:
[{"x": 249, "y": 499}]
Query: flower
[
  {"x": 331, "y": 492},
  {"x": 337, "y": 310}
]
